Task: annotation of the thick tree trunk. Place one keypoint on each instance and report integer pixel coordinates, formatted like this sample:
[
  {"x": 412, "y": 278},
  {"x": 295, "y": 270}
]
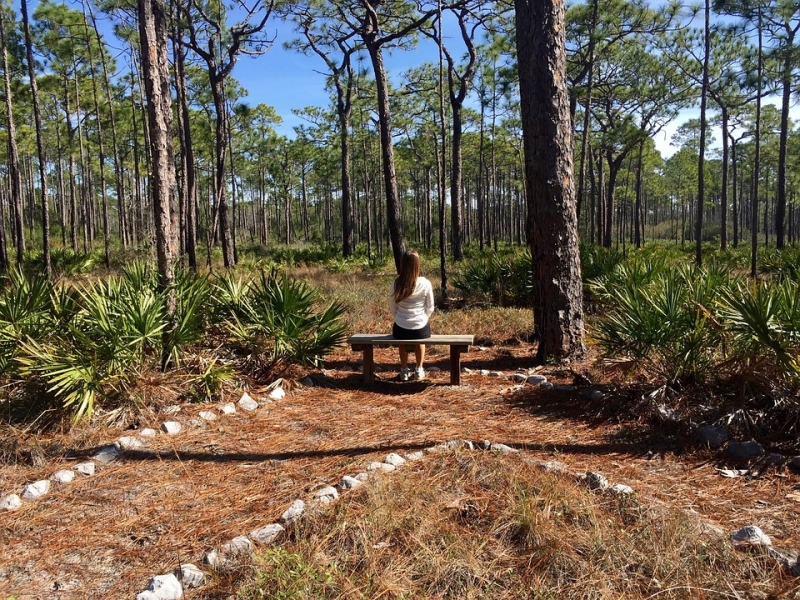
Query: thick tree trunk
[
  {"x": 220, "y": 146},
  {"x": 343, "y": 109},
  {"x": 153, "y": 36},
  {"x": 550, "y": 190}
]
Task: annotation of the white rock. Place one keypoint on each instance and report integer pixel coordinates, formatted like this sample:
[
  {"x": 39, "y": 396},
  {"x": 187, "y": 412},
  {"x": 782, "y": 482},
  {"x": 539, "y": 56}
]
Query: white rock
[
  {"x": 554, "y": 466},
  {"x": 12, "y": 502},
  {"x": 147, "y": 432},
  {"x": 502, "y": 448},
  {"x": 107, "y": 454},
  {"x": 380, "y": 466},
  {"x": 484, "y": 372},
  {"x": 171, "y": 427},
  {"x": 214, "y": 559},
  {"x": 537, "y": 379},
  {"x": 596, "y": 481},
  {"x": 165, "y": 587},
  {"x": 36, "y": 489},
  {"x": 171, "y": 410},
  {"x": 466, "y": 370},
  {"x": 247, "y": 403},
  {"x": 520, "y": 377},
  {"x": 418, "y": 455},
  {"x": 362, "y": 476},
  {"x": 750, "y": 535},
  {"x": 327, "y": 494},
  {"x": 277, "y": 394},
  {"x": 453, "y": 444},
  {"x": 621, "y": 489},
  {"x": 228, "y": 409},
  {"x": 349, "y": 483},
  {"x": 147, "y": 595},
  {"x": 496, "y": 374},
  {"x": 546, "y": 385},
  {"x": 267, "y": 535},
  {"x": 294, "y": 512},
  {"x": 238, "y": 546},
  {"x": 207, "y": 415},
  {"x": 85, "y": 468},
  {"x": 190, "y": 576},
  {"x": 394, "y": 459},
  {"x": 63, "y": 476},
  {"x": 129, "y": 442}
]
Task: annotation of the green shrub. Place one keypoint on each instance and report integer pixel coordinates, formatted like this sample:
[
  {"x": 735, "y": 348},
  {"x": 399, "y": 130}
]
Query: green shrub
[
  {"x": 500, "y": 280},
  {"x": 660, "y": 318},
  {"x": 275, "y": 321}
]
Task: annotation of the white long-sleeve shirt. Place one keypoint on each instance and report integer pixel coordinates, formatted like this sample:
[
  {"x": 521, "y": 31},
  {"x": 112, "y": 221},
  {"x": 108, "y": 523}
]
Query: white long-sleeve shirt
[{"x": 413, "y": 312}]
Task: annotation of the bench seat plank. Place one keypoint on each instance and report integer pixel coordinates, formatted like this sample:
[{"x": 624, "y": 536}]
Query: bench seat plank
[{"x": 365, "y": 342}]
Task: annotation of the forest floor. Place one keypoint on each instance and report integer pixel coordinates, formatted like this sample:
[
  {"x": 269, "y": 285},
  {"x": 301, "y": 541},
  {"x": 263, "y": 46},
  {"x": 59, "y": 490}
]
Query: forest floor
[{"x": 105, "y": 535}]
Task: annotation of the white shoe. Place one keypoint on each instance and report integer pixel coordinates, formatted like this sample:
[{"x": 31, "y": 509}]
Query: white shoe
[
  {"x": 419, "y": 374},
  {"x": 405, "y": 374}
]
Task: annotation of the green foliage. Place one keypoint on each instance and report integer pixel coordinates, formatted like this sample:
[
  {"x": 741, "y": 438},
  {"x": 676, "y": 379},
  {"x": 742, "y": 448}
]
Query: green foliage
[
  {"x": 276, "y": 322},
  {"x": 764, "y": 320},
  {"x": 288, "y": 576},
  {"x": 498, "y": 279},
  {"x": 661, "y": 319},
  {"x": 26, "y": 310},
  {"x": 212, "y": 378},
  {"x": 64, "y": 262},
  {"x": 597, "y": 261}
]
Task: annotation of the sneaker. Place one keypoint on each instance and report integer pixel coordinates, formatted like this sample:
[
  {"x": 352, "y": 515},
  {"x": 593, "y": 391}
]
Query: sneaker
[
  {"x": 405, "y": 374},
  {"x": 419, "y": 374}
]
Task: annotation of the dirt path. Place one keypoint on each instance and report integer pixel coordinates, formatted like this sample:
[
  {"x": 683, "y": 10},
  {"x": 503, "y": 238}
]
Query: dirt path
[{"x": 103, "y": 536}]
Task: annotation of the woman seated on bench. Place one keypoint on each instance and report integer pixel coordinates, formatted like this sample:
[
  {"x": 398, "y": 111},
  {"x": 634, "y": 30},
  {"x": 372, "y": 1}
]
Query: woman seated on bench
[{"x": 411, "y": 304}]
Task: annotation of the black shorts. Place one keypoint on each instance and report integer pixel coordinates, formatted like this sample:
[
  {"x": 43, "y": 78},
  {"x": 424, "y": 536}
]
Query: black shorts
[{"x": 400, "y": 333}]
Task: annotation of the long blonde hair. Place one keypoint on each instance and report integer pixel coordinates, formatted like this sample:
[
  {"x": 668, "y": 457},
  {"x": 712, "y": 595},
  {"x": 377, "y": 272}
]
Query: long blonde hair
[{"x": 407, "y": 278}]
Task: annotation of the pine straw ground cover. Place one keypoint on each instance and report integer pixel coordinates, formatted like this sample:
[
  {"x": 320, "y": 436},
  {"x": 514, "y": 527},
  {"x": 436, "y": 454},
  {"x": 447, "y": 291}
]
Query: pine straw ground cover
[{"x": 103, "y": 536}]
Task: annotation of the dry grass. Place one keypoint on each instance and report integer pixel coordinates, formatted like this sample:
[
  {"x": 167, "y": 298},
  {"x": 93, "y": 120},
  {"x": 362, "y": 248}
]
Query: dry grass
[{"x": 480, "y": 525}]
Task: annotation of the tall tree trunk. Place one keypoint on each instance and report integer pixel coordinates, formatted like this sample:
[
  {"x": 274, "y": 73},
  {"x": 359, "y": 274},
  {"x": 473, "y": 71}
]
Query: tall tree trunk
[
  {"x": 757, "y": 156},
  {"x": 15, "y": 179},
  {"x": 220, "y": 146},
  {"x": 723, "y": 232},
  {"x": 394, "y": 219},
  {"x": 550, "y": 190},
  {"x": 701, "y": 178},
  {"x": 189, "y": 177},
  {"x": 37, "y": 119},
  {"x": 780, "y": 198},
  {"x": 118, "y": 175},
  {"x": 153, "y": 37},
  {"x": 101, "y": 151}
]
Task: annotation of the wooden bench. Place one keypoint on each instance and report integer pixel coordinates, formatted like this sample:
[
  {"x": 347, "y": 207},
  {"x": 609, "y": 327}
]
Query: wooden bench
[{"x": 366, "y": 342}]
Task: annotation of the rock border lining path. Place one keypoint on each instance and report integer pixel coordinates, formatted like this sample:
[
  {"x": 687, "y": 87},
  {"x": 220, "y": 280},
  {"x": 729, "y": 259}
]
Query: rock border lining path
[{"x": 188, "y": 576}]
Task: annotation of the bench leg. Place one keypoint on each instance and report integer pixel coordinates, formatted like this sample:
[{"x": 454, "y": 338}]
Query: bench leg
[
  {"x": 369, "y": 365},
  {"x": 455, "y": 365}
]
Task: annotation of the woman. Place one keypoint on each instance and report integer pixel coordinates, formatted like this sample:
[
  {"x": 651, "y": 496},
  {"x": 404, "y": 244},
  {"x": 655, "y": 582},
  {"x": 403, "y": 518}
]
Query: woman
[{"x": 411, "y": 304}]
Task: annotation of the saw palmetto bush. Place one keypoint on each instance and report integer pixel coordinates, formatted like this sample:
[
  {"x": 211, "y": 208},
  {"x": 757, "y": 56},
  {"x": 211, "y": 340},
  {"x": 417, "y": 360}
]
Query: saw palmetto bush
[
  {"x": 276, "y": 320},
  {"x": 660, "y": 318},
  {"x": 26, "y": 310},
  {"x": 100, "y": 350},
  {"x": 499, "y": 279},
  {"x": 763, "y": 319}
]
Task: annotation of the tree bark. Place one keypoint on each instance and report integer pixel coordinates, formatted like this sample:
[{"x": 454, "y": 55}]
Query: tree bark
[
  {"x": 15, "y": 179},
  {"x": 37, "y": 118},
  {"x": 550, "y": 191},
  {"x": 155, "y": 67}
]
